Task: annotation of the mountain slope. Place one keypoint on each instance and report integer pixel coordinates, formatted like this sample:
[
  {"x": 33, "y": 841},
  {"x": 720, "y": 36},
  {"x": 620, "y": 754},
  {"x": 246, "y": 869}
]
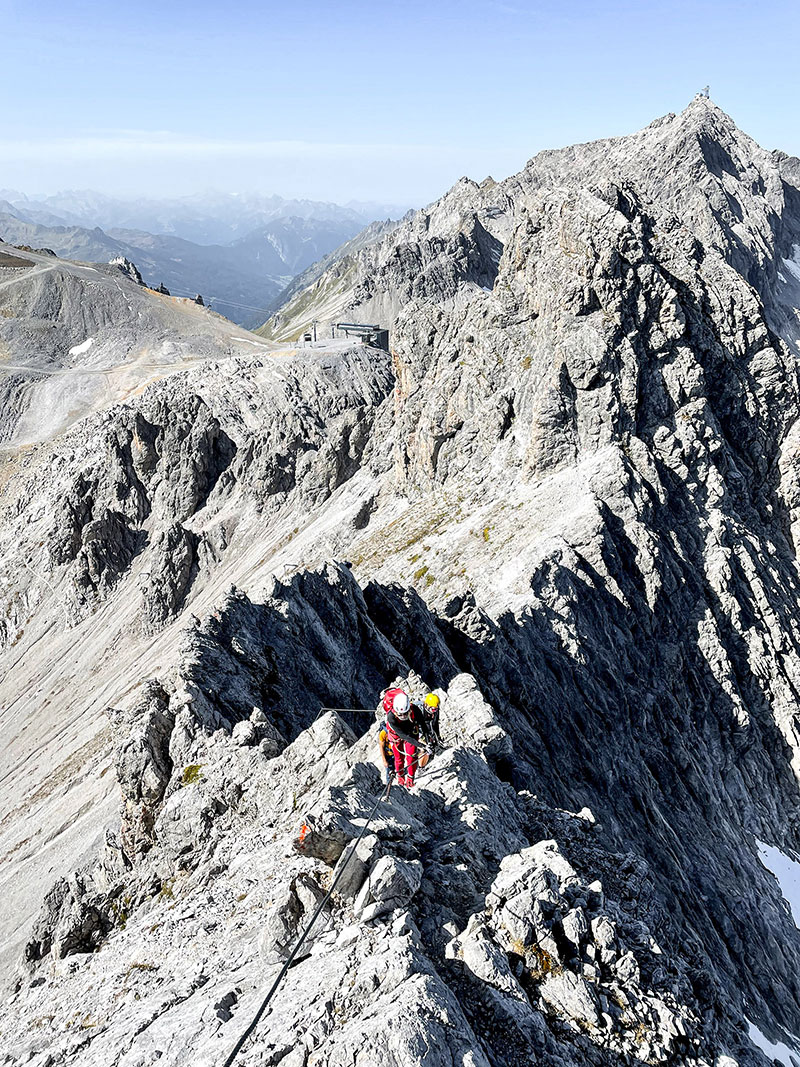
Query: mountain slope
[
  {"x": 211, "y": 270},
  {"x": 236, "y": 280},
  {"x": 336, "y": 264},
  {"x": 568, "y": 498},
  {"x": 75, "y": 339},
  {"x": 295, "y": 243},
  {"x": 717, "y": 185}
]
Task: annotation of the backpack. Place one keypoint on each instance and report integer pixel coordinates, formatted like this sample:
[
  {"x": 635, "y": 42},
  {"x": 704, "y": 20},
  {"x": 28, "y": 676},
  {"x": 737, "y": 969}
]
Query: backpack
[{"x": 388, "y": 698}]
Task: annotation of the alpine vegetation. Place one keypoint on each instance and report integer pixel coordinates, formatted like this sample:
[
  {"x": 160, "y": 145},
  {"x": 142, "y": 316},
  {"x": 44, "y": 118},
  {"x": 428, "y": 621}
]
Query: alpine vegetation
[{"x": 435, "y": 705}]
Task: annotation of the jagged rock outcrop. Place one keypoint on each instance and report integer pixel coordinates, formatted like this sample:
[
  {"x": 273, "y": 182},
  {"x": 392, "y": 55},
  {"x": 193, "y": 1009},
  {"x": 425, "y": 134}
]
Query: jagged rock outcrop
[
  {"x": 546, "y": 941},
  {"x": 568, "y": 500},
  {"x": 128, "y": 268},
  {"x": 165, "y": 585},
  {"x": 142, "y": 763},
  {"x": 80, "y": 911}
]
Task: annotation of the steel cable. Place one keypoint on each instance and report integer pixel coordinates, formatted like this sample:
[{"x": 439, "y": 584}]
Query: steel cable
[{"x": 301, "y": 941}]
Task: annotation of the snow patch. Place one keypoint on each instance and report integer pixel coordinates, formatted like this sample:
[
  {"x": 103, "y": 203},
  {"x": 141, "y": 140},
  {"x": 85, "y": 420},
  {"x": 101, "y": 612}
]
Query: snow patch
[
  {"x": 780, "y": 1052},
  {"x": 79, "y": 350},
  {"x": 793, "y": 264},
  {"x": 787, "y": 873}
]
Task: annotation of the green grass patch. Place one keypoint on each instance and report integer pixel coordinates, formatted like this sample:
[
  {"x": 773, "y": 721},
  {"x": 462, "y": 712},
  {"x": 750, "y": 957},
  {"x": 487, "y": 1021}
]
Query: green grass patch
[
  {"x": 166, "y": 891},
  {"x": 191, "y": 774}
]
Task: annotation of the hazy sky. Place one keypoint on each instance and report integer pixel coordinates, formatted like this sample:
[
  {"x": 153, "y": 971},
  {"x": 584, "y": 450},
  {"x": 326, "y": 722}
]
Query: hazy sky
[{"x": 373, "y": 101}]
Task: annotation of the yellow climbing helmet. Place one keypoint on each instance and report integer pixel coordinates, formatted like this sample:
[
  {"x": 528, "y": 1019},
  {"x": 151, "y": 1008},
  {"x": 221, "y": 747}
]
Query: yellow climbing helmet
[{"x": 432, "y": 701}]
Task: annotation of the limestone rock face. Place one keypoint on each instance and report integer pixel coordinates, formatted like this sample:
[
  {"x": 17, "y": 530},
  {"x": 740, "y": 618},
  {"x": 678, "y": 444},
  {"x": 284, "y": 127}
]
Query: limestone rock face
[
  {"x": 391, "y": 883},
  {"x": 567, "y": 499},
  {"x": 142, "y": 763},
  {"x": 537, "y": 914},
  {"x": 526, "y": 968}
]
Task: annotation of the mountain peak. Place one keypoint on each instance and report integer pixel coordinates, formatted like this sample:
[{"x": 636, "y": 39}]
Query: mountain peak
[
  {"x": 702, "y": 110},
  {"x": 700, "y": 114},
  {"x": 702, "y": 100}
]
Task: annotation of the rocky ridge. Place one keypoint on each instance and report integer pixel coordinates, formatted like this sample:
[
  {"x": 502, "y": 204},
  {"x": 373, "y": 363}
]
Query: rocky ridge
[
  {"x": 568, "y": 499},
  {"x": 547, "y": 963}
]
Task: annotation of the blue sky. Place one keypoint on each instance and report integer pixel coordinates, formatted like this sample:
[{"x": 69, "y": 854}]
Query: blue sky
[{"x": 389, "y": 102}]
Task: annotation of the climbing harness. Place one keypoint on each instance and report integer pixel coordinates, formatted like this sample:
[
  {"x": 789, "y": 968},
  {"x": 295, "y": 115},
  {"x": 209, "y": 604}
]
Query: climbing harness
[{"x": 382, "y": 795}]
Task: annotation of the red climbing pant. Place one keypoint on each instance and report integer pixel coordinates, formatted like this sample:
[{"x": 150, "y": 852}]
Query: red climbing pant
[{"x": 405, "y": 762}]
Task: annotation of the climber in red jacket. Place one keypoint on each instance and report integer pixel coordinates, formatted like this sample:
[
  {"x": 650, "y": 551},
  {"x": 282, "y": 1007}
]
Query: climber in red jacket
[{"x": 402, "y": 734}]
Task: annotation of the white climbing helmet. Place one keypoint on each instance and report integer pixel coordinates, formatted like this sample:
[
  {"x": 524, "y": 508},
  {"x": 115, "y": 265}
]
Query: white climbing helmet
[{"x": 401, "y": 705}]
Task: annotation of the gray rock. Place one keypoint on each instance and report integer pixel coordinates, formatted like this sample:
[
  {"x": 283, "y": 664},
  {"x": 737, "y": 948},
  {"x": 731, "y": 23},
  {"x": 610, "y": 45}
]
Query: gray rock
[
  {"x": 165, "y": 585},
  {"x": 575, "y": 926},
  {"x": 391, "y": 884},
  {"x": 142, "y": 763},
  {"x": 128, "y": 268},
  {"x": 603, "y": 932},
  {"x": 244, "y": 733},
  {"x": 286, "y": 917},
  {"x": 627, "y": 969},
  {"x": 353, "y": 866},
  {"x": 184, "y": 824},
  {"x": 570, "y": 997}
]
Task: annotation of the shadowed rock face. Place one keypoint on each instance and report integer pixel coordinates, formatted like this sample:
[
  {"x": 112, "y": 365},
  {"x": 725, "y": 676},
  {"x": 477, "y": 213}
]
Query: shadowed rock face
[{"x": 569, "y": 500}]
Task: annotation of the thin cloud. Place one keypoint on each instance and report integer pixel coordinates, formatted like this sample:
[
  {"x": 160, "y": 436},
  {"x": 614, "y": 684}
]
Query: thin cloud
[{"x": 166, "y": 145}]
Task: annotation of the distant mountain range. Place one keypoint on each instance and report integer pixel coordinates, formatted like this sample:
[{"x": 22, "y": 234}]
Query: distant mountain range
[
  {"x": 239, "y": 252},
  {"x": 205, "y": 218}
]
